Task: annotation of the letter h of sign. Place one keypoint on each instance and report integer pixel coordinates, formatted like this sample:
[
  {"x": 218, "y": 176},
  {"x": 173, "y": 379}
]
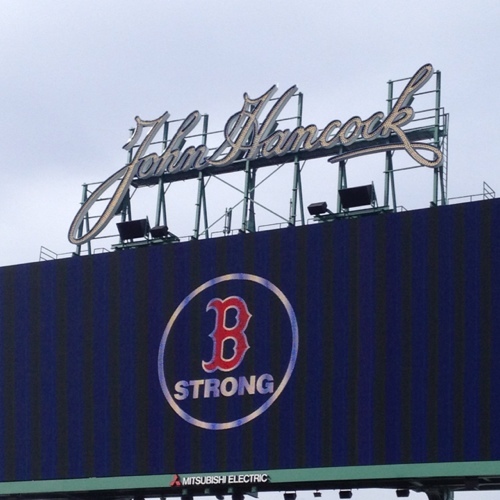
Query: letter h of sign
[{"x": 222, "y": 333}]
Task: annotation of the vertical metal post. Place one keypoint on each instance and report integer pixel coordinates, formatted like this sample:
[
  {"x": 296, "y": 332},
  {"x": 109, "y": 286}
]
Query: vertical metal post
[
  {"x": 204, "y": 142},
  {"x": 245, "y": 198},
  {"x": 165, "y": 135},
  {"x": 201, "y": 198},
  {"x": 227, "y": 221},
  {"x": 251, "y": 207},
  {"x": 439, "y": 172},
  {"x": 205, "y": 214},
  {"x": 436, "y": 143},
  {"x": 301, "y": 198},
  {"x": 161, "y": 206},
  {"x": 342, "y": 183},
  {"x": 126, "y": 209},
  {"x": 297, "y": 185},
  {"x": 389, "y": 185},
  {"x": 86, "y": 221},
  {"x": 248, "y": 215},
  {"x": 296, "y": 193},
  {"x": 87, "y": 225},
  {"x": 390, "y": 188}
]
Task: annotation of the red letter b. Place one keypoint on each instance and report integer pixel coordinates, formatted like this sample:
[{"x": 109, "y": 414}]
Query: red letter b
[{"x": 222, "y": 333}]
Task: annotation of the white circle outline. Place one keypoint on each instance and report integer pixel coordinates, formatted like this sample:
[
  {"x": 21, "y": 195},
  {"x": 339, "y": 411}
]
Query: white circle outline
[{"x": 291, "y": 365}]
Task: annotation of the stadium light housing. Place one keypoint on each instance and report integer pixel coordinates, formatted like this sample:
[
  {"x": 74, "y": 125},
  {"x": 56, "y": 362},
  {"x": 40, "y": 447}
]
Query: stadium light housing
[
  {"x": 131, "y": 229},
  {"x": 159, "y": 232},
  {"x": 358, "y": 196},
  {"x": 319, "y": 208}
]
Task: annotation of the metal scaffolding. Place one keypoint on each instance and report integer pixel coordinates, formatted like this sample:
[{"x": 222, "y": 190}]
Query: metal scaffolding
[{"x": 429, "y": 125}]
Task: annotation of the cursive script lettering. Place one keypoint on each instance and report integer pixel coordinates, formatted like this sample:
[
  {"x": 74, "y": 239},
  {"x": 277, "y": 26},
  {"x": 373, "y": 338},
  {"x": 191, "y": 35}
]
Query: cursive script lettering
[{"x": 247, "y": 139}]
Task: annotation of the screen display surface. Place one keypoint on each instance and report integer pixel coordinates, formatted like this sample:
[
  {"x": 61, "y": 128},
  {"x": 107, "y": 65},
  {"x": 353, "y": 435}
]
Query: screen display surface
[{"x": 370, "y": 341}]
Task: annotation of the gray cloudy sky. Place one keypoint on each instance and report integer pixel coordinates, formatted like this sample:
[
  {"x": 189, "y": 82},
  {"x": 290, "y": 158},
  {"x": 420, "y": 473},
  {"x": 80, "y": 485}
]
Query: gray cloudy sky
[{"x": 75, "y": 73}]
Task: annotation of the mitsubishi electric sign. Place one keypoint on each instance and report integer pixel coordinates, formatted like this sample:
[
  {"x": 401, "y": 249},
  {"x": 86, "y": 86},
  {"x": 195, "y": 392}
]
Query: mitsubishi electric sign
[
  {"x": 218, "y": 480},
  {"x": 222, "y": 362},
  {"x": 253, "y": 134}
]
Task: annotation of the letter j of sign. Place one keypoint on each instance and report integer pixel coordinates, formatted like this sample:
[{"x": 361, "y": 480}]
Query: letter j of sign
[{"x": 223, "y": 333}]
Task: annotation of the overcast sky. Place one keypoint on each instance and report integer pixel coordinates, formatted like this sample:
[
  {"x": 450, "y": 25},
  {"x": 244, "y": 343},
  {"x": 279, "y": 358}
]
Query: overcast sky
[{"x": 75, "y": 73}]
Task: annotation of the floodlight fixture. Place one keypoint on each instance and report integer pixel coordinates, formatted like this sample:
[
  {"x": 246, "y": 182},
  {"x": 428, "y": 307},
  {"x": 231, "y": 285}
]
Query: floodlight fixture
[
  {"x": 131, "y": 229},
  {"x": 159, "y": 232},
  {"x": 402, "y": 493},
  {"x": 317, "y": 494},
  {"x": 345, "y": 494},
  {"x": 318, "y": 208},
  {"x": 358, "y": 196},
  {"x": 290, "y": 495}
]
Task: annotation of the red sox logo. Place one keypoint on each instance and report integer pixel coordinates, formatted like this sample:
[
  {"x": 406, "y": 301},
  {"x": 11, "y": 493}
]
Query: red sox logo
[
  {"x": 236, "y": 330},
  {"x": 223, "y": 334}
]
